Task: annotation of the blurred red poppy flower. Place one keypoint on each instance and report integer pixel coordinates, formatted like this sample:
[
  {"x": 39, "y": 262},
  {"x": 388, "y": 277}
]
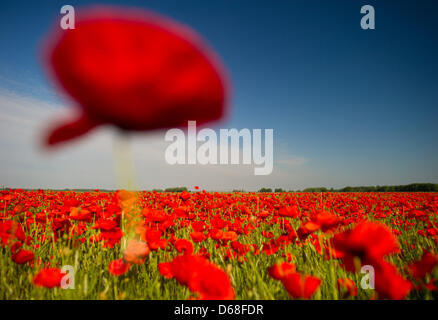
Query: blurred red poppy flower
[
  {"x": 165, "y": 269},
  {"x": 347, "y": 285},
  {"x": 49, "y": 278},
  {"x": 16, "y": 246},
  {"x": 10, "y": 231},
  {"x": 326, "y": 220},
  {"x": 153, "y": 235},
  {"x": 184, "y": 195},
  {"x": 389, "y": 284},
  {"x": 199, "y": 226},
  {"x": 291, "y": 212},
  {"x": 425, "y": 265},
  {"x": 136, "y": 252},
  {"x": 183, "y": 245},
  {"x": 105, "y": 225},
  {"x": 79, "y": 214},
  {"x": 136, "y": 70},
  {"x": 23, "y": 256},
  {"x": 197, "y": 236},
  {"x": 279, "y": 270},
  {"x": 216, "y": 234},
  {"x": 229, "y": 236},
  {"x": 297, "y": 285},
  {"x": 212, "y": 283},
  {"x": 369, "y": 241},
  {"x": 118, "y": 267},
  {"x": 301, "y": 286},
  {"x": 158, "y": 244},
  {"x": 200, "y": 275}
]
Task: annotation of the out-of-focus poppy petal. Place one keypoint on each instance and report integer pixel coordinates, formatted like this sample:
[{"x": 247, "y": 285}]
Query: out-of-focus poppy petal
[
  {"x": 280, "y": 270},
  {"x": 183, "y": 245},
  {"x": 118, "y": 267},
  {"x": 71, "y": 129},
  {"x": 425, "y": 265},
  {"x": 49, "y": 278},
  {"x": 348, "y": 285},
  {"x": 136, "y": 252},
  {"x": 23, "y": 256},
  {"x": 136, "y": 70},
  {"x": 300, "y": 285}
]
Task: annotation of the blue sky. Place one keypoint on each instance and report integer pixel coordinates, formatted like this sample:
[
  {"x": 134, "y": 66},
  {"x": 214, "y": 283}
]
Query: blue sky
[{"x": 358, "y": 107}]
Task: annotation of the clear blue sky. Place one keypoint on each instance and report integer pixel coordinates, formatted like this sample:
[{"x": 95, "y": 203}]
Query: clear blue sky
[{"x": 356, "y": 103}]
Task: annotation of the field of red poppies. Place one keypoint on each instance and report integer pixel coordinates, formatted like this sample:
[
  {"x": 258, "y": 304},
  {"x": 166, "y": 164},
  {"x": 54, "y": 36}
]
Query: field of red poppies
[{"x": 201, "y": 245}]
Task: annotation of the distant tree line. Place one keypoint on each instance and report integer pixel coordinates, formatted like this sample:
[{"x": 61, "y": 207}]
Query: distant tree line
[
  {"x": 413, "y": 187},
  {"x": 175, "y": 189},
  {"x": 270, "y": 190}
]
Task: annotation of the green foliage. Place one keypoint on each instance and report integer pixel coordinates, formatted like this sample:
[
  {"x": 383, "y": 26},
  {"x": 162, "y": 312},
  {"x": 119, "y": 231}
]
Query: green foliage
[
  {"x": 176, "y": 189},
  {"x": 320, "y": 189},
  {"x": 414, "y": 187}
]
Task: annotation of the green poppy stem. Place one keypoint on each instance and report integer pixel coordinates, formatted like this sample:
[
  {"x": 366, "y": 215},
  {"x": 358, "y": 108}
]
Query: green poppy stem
[{"x": 124, "y": 164}]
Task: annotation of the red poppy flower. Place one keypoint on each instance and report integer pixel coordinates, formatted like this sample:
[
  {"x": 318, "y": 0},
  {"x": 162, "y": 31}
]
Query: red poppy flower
[
  {"x": 183, "y": 245},
  {"x": 197, "y": 236},
  {"x": 311, "y": 227},
  {"x": 49, "y": 278},
  {"x": 326, "y": 220},
  {"x": 182, "y": 267},
  {"x": 200, "y": 276},
  {"x": 23, "y": 256},
  {"x": 430, "y": 285},
  {"x": 16, "y": 246},
  {"x": 229, "y": 236},
  {"x": 369, "y": 241},
  {"x": 199, "y": 226},
  {"x": 153, "y": 235},
  {"x": 280, "y": 270},
  {"x": 348, "y": 285},
  {"x": 264, "y": 214},
  {"x": 80, "y": 214},
  {"x": 306, "y": 230},
  {"x": 136, "y": 70},
  {"x": 291, "y": 212},
  {"x": 212, "y": 283},
  {"x": 106, "y": 225},
  {"x": 136, "y": 252},
  {"x": 184, "y": 195},
  {"x": 424, "y": 266},
  {"x": 389, "y": 284},
  {"x": 216, "y": 234},
  {"x": 300, "y": 286},
  {"x": 11, "y": 230},
  {"x": 165, "y": 269},
  {"x": 180, "y": 212},
  {"x": 118, "y": 267},
  {"x": 110, "y": 238},
  {"x": 159, "y": 244}
]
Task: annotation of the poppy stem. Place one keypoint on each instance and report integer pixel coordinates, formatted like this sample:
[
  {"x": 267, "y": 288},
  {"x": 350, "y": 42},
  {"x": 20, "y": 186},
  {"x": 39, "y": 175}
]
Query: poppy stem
[
  {"x": 124, "y": 168},
  {"x": 124, "y": 164}
]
